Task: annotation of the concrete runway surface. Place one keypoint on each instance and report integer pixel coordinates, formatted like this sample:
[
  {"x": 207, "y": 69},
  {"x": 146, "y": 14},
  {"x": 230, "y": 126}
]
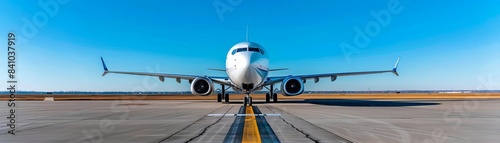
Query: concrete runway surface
[{"x": 310, "y": 120}]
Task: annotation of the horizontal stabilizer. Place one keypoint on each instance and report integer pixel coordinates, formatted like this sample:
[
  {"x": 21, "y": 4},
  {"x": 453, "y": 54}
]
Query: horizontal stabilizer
[
  {"x": 216, "y": 69},
  {"x": 280, "y": 69}
]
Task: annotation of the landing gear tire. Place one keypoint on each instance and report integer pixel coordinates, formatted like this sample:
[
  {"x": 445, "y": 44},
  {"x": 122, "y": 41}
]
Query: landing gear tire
[
  {"x": 268, "y": 98},
  {"x": 250, "y": 101},
  {"x": 226, "y": 97},
  {"x": 275, "y": 97},
  {"x": 219, "y": 97},
  {"x": 245, "y": 101}
]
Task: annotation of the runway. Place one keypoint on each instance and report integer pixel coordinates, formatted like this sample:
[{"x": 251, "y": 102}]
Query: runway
[{"x": 310, "y": 120}]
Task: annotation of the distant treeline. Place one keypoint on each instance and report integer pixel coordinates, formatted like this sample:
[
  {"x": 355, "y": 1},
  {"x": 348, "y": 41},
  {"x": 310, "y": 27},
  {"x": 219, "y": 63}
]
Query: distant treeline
[{"x": 258, "y": 92}]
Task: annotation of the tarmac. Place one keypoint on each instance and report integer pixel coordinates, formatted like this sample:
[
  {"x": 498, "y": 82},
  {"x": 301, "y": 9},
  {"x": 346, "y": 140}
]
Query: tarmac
[{"x": 291, "y": 120}]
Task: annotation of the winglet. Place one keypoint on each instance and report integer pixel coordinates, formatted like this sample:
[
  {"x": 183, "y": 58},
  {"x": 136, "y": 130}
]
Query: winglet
[
  {"x": 105, "y": 67},
  {"x": 395, "y": 68}
]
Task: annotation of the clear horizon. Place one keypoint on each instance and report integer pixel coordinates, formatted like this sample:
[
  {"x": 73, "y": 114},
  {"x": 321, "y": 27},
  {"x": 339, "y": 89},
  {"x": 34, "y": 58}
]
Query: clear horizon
[{"x": 443, "y": 46}]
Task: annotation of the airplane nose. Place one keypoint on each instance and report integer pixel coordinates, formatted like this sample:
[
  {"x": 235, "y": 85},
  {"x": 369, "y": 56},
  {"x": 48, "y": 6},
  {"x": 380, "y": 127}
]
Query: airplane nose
[{"x": 244, "y": 66}]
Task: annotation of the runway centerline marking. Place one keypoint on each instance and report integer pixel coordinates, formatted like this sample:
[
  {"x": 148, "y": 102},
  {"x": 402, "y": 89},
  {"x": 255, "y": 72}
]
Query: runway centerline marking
[
  {"x": 251, "y": 131},
  {"x": 250, "y": 125},
  {"x": 236, "y": 115}
]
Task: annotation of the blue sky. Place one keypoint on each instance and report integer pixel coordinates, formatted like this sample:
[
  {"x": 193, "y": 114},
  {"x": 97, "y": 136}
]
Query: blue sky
[{"x": 443, "y": 44}]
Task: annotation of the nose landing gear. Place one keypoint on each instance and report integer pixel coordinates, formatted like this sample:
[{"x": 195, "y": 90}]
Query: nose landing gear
[{"x": 247, "y": 100}]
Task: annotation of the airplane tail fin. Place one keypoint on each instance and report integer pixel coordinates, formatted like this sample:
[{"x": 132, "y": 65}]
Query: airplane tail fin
[
  {"x": 223, "y": 70},
  {"x": 247, "y": 34}
]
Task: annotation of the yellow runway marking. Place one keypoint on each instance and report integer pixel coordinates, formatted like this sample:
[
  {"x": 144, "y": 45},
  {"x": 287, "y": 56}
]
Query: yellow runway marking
[{"x": 250, "y": 131}]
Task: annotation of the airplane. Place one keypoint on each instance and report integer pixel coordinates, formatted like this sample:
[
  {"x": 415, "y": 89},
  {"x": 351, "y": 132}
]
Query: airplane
[{"x": 247, "y": 69}]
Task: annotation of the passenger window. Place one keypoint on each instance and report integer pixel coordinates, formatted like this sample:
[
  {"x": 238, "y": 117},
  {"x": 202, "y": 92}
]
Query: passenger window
[{"x": 234, "y": 52}]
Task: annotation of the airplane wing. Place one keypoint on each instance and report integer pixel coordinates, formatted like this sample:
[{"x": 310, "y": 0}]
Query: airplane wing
[
  {"x": 333, "y": 76},
  {"x": 162, "y": 76}
]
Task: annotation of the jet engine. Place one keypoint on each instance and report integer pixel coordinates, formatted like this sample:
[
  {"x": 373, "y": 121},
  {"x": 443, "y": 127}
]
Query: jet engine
[
  {"x": 292, "y": 86},
  {"x": 202, "y": 86}
]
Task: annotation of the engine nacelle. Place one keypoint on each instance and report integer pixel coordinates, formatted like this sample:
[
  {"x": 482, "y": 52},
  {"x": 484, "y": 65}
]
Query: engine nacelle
[
  {"x": 292, "y": 86},
  {"x": 202, "y": 86}
]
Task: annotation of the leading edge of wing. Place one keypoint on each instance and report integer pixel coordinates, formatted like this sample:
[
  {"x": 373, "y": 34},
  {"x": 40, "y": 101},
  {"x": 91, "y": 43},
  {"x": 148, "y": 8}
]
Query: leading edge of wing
[
  {"x": 217, "y": 79},
  {"x": 394, "y": 71},
  {"x": 277, "y": 79}
]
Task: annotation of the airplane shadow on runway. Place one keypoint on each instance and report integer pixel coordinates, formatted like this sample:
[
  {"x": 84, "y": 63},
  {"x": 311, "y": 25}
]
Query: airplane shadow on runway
[{"x": 354, "y": 102}]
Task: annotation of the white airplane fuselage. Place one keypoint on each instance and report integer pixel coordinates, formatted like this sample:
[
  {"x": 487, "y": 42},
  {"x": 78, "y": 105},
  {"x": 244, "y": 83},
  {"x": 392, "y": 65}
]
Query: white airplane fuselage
[{"x": 247, "y": 66}]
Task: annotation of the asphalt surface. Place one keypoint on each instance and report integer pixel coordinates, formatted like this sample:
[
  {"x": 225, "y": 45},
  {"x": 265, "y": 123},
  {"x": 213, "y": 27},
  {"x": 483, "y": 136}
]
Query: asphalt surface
[{"x": 322, "y": 120}]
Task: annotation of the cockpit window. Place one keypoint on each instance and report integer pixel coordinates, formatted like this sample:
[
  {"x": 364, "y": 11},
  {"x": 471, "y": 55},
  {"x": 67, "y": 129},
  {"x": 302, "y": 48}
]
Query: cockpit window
[
  {"x": 256, "y": 50},
  {"x": 241, "y": 50},
  {"x": 251, "y": 49},
  {"x": 238, "y": 50}
]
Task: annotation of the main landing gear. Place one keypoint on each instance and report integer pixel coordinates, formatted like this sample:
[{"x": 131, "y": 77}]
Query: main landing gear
[
  {"x": 223, "y": 95},
  {"x": 271, "y": 95},
  {"x": 247, "y": 100}
]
